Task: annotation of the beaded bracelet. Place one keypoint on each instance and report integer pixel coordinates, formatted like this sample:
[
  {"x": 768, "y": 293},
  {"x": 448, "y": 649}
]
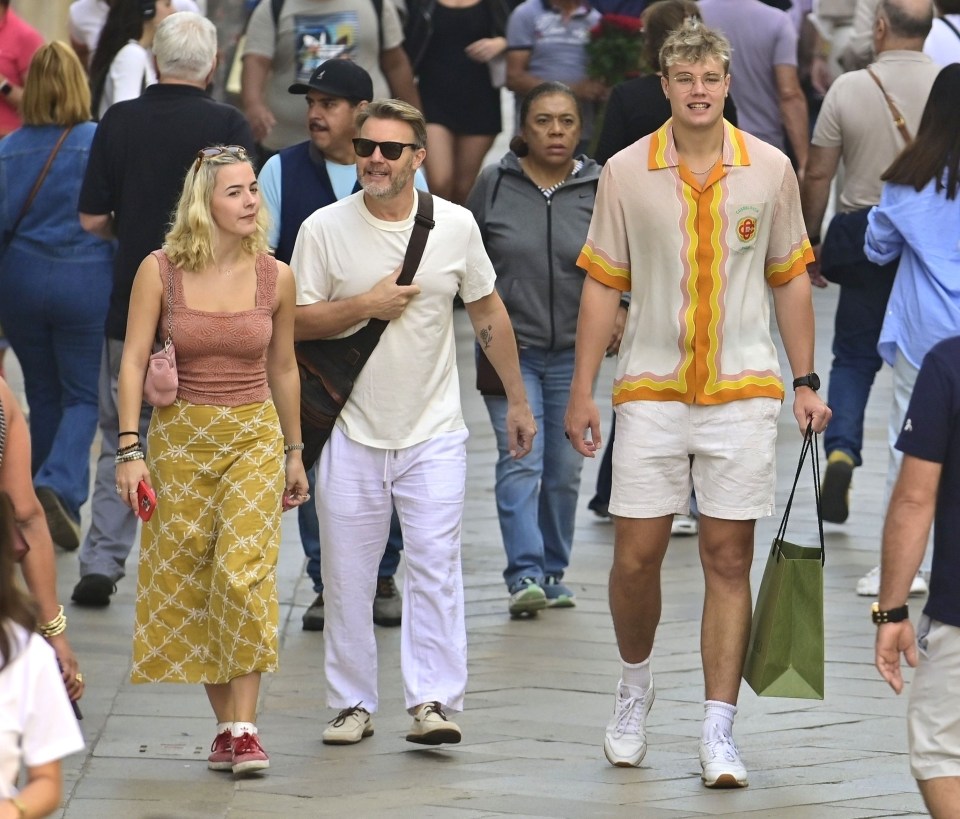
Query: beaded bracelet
[
  {"x": 130, "y": 448},
  {"x": 291, "y": 448},
  {"x": 56, "y": 626},
  {"x": 135, "y": 455}
]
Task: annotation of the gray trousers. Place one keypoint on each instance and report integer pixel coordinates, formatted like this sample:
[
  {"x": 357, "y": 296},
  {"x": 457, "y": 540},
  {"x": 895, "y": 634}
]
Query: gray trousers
[{"x": 113, "y": 526}]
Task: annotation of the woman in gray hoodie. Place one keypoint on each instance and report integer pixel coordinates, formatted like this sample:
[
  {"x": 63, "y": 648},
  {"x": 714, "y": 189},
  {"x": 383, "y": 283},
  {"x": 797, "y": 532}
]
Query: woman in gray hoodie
[{"x": 534, "y": 210}]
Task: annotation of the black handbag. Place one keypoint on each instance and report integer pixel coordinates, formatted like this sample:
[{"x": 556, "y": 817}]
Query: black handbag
[{"x": 329, "y": 367}]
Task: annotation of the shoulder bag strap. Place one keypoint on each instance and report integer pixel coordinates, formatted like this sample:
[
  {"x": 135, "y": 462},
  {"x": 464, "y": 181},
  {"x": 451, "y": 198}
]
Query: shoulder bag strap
[
  {"x": 166, "y": 271},
  {"x": 809, "y": 445},
  {"x": 39, "y": 182},
  {"x": 898, "y": 119},
  {"x": 422, "y": 225},
  {"x": 950, "y": 26},
  {"x": 3, "y": 433}
]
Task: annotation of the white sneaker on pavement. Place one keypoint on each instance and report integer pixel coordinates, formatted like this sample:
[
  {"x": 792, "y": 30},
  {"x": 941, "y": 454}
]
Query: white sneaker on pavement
[
  {"x": 625, "y": 740},
  {"x": 349, "y": 727},
  {"x": 431, "y": 726},
  {"x": 721, "y": 764},
  {"x": 684, "y": 526},
  {"x": 869, "y": 584}
]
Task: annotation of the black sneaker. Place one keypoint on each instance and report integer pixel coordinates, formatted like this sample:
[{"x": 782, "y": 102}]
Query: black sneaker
[
  {"x": 387, "y": 604},
  {"x": 64, "y": 528},
  {"x": 93, "y": 590},
  {"x": 313, "y": 616},
  {"x": 835, "y": 490}
]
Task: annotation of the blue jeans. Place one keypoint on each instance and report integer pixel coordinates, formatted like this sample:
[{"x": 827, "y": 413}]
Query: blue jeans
[
  {"x": 537, "y": 494},
  {"x": 52, "y": 310},
  {"x": 310, "y": 538},
  {"x": 856, "y": 362}
]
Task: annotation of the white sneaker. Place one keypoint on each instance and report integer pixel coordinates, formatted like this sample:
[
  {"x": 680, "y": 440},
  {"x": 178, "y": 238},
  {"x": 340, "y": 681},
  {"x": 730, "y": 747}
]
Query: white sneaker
[
  {"x": 684, "y": 525},
  {"x": 625, "y": 740},
  {"x": 869, "y": 584},
  {"x": 431, "y": 726},
  {"x": 349, "y": 727},
  {"x": 721, "y": 764}
]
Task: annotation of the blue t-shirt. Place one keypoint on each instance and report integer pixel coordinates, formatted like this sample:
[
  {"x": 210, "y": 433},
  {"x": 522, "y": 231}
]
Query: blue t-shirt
[{"x": 931, "y": 431}]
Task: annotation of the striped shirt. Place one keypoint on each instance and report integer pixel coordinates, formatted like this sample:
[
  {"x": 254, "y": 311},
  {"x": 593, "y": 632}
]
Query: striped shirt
[{"x": 694, "y": 258}]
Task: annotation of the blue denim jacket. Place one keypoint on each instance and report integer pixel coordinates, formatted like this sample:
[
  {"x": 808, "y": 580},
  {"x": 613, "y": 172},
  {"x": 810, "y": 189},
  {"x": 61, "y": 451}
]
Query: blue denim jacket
[{"x": 51, "y": 226}]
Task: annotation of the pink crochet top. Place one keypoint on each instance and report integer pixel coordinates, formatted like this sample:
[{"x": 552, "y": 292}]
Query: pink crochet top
[{"x": 221, "y": 357}]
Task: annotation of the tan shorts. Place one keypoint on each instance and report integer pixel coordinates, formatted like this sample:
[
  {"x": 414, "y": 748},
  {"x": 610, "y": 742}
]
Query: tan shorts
[
  {"x": 734, "y": 458},
  {"x": 933, "y": 718}
]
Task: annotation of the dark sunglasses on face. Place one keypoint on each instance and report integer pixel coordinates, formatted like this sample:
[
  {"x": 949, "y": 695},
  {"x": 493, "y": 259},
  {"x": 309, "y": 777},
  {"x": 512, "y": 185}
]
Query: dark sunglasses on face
[
  {"x": 208, "y": 153},
  {"x": 390, "y": 150}
]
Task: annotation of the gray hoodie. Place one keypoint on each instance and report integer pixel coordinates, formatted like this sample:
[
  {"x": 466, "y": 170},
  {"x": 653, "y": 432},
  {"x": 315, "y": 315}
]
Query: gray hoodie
[{"x": 534, "y": 243}]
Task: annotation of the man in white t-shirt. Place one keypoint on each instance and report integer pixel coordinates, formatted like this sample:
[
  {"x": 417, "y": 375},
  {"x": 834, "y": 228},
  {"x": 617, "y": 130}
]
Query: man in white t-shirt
[{"x": 401, "y": 439}]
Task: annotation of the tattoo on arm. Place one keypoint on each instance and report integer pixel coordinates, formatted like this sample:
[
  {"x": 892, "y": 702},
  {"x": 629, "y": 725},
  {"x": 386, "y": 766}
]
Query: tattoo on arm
[{"x": 486, "y": 336}]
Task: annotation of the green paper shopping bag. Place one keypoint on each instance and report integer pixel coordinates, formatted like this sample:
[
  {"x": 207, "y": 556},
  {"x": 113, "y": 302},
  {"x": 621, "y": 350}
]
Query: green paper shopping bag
[{"x": 785, "y": 655}]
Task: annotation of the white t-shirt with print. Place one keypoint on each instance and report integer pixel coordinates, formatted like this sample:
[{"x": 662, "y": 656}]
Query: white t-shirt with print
[
  {"x": 409, "y": 390},
  {"x": 310, "y": 32}
]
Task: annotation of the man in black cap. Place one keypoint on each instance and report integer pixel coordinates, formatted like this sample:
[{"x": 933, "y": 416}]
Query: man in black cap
[{"x": 294, "y": 183}]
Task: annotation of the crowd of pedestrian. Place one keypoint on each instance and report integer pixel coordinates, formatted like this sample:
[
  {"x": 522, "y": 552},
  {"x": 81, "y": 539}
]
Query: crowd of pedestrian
[{"x": 654, "y": 220}]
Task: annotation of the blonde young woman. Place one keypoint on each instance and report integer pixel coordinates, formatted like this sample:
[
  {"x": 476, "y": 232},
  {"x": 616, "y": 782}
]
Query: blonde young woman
[{"x": 221, "y": 456}]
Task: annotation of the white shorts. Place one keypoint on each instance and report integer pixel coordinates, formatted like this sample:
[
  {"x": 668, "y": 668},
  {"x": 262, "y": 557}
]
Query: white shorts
[
  {"x": 733, "y": 449},
  {"x": 933, "y": 719}
]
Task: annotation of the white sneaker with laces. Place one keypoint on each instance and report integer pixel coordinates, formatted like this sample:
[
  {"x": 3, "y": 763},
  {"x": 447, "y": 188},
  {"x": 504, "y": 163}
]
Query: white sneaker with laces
[
  {"x": 625, "y": 740},
  {"x": 869, "y": 584},
  {"x": 721, "y": 764},
  {"x": 684, "y": 525},
  {"x": 349, "y": 726},
  {"x": 431, "y": 726}
]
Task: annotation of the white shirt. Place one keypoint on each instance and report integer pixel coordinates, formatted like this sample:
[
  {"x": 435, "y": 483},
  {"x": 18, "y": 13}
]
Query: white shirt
[
  {"x": 943, "y": 45},
  {"x": 130, "y": 72},
  {"x": 86, "y": 19},
  {"x": 409, "y": 390},
  {"x": 37, "y": 725}
]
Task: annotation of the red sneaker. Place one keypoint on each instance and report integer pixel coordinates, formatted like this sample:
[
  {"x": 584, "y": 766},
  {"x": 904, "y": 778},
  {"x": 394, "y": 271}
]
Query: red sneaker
[
  {"x": 248, "y": 754},
  {"x": 221, "y": 752}
]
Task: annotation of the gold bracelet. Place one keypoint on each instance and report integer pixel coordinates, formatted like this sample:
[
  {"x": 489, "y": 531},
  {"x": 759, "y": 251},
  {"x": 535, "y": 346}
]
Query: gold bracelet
[
  {"x": 19, "y": 806},
  {"x": 56, "y": 626}
]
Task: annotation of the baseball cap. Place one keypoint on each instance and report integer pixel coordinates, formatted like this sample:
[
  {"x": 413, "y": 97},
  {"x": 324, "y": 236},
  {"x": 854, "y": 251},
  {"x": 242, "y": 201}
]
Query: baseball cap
[{"x": 339, "y": 78}]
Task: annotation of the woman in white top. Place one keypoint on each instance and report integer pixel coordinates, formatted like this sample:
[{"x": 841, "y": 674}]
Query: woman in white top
[
  {"x": 122, "y": 65},
  {"x": 37, "y": 727}
]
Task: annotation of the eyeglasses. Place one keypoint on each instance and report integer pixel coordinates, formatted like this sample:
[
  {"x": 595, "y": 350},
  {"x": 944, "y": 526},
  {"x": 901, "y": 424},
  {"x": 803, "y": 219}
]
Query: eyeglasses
[
  {"x": 710, "y": 81},
  {"x": 390, "y": 150},
  {"x": 208, "y": 153}
]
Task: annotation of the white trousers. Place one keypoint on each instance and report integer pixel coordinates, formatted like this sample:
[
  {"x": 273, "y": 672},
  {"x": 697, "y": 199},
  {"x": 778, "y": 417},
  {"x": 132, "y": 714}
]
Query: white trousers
[{"x": 357, "y": 488}]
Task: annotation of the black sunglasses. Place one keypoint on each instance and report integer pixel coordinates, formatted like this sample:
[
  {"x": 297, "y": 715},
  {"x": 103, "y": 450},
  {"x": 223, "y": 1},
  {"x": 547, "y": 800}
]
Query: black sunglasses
[
  {"x": 208, "y": 153},
  {"x": 390, "y": 150}
]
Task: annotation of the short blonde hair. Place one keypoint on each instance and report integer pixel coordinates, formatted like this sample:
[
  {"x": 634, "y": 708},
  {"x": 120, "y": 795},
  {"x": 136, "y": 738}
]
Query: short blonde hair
[
  {"x": 56, "y": 91},
  {"x": 399, "y": 110},
  {"x": 693, "y": 43},
  {"x": 189, "y": 244}
]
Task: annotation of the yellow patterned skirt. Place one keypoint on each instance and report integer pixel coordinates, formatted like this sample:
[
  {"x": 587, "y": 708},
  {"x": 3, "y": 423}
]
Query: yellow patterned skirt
[{"x": 207, "y": 608}]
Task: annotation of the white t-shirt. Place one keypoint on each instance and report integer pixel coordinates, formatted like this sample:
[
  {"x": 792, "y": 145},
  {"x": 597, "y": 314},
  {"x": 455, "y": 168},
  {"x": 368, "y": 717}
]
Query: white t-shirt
[
  {"x": 309, "y": 33},
  {"x": 130, "y": 72},
  {"x": 943, "y": 44},
  {"x": 409, "y": 390},
  {"x": 37, "y": 725}
]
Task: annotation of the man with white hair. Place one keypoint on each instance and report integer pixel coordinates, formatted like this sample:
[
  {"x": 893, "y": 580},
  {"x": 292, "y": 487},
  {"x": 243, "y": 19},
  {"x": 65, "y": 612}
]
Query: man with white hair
[{"x": 139, "y": 157}]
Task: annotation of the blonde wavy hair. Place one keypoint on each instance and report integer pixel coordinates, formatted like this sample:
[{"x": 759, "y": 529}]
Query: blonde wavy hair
[
  {"x": 56, "y": 91},
  {"x": 190, "y": 242},
  {"x": 693, "y": 43}
]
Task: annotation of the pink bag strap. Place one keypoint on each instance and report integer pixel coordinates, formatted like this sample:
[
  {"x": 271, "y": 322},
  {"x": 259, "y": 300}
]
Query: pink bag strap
[{"x": 166, "y": 273}]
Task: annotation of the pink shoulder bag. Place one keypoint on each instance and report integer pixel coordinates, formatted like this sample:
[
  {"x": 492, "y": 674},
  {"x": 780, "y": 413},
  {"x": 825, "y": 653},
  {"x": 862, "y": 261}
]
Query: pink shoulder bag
[{"x": 161, "y": 382}]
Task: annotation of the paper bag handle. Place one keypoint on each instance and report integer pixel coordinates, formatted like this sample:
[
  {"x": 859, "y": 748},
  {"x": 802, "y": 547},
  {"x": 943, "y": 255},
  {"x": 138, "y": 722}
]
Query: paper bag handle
[{"x": 809, "y": 445}]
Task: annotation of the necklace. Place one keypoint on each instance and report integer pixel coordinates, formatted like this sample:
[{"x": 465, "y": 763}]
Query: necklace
[{"x": 701, "y": 173}]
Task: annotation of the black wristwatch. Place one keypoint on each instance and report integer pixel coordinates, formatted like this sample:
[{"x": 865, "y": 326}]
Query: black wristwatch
[
  {"x": 897, "y": 615},
  {"x": 811, "y": 380}
]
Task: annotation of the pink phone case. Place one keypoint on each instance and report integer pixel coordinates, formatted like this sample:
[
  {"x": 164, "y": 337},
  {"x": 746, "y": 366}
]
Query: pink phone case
[{"x": 146, "y": 501}]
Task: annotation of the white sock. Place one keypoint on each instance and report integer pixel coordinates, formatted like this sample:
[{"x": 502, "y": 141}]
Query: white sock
[
  {"x": 636, "y": 676},
  {"x": 224, "y": 726},
  {"x": 241, "y": 728},
  {"x": 717, "y": 719}
]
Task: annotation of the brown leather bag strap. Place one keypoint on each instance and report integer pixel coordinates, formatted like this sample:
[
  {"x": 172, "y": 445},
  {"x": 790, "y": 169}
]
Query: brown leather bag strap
[
  {"x": 39, "y": 182},
  {"x": 422, "y": 225},
  {"x": 898, "y": 119}
]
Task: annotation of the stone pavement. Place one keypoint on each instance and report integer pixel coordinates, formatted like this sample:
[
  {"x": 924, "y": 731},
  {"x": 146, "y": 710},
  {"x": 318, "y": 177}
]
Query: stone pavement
[{"x": 540, "y": 690}]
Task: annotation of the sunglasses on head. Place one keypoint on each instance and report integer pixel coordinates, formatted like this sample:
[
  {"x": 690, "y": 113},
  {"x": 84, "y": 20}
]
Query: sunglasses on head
[
  {"x": 208, "y": 153},
  {"x": 390, "y": 150}
]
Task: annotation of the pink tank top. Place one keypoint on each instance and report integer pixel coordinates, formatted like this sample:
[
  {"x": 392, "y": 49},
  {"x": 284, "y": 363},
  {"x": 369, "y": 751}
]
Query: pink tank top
[{"x": 221, "y": 357}]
